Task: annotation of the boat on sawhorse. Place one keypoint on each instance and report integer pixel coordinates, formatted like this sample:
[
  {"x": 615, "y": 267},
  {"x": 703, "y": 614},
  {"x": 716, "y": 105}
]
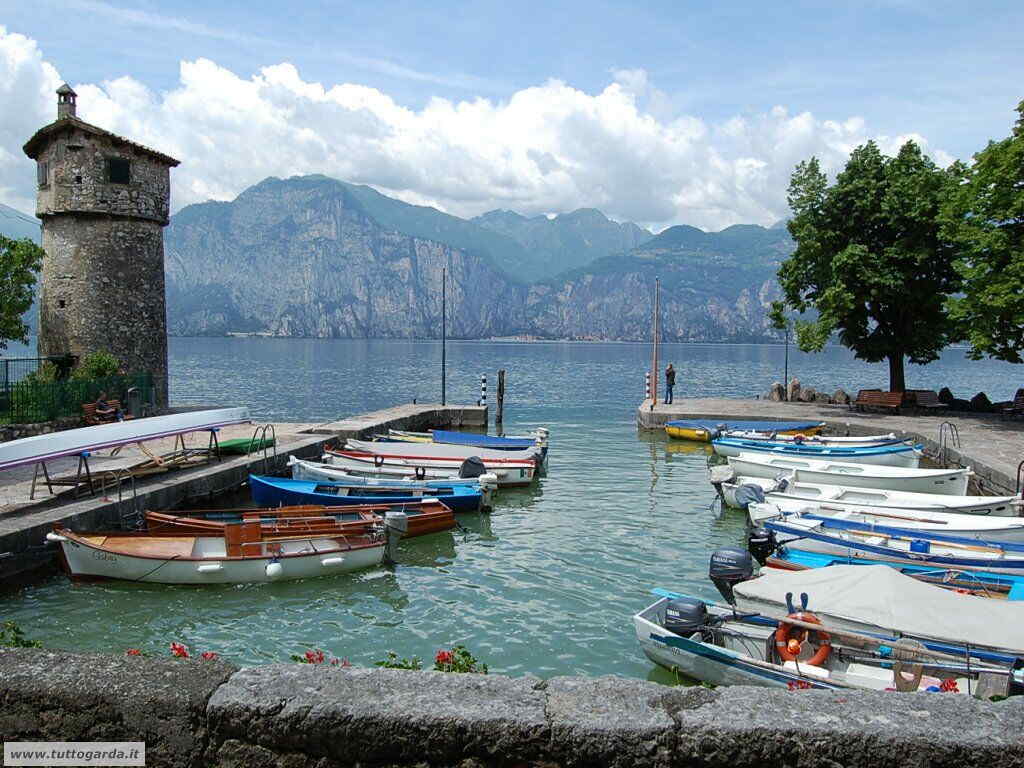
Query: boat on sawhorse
[
  {"x": 900, "y": 455},
  {"x": 284, "y": 491},
  {"x": 703, "y": 430}
]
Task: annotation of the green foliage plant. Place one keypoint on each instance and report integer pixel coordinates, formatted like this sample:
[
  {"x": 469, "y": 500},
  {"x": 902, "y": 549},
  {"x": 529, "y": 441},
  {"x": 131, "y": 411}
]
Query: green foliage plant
[
  {"x": 394, "y": 662},
  {"x": 12, "y": 636},
  {"x": 20, "y": 262},
  {"x": 870, "y": 260},
  {"x": 983, "y": 215},
  {"x": 97, "y": 365}
]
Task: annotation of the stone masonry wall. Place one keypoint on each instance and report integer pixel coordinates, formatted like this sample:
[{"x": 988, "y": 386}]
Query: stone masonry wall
[
  {"x": 103, "y": 290},
  {"x": 209, "y": 713},
  {"x": 77, "y": 179}
]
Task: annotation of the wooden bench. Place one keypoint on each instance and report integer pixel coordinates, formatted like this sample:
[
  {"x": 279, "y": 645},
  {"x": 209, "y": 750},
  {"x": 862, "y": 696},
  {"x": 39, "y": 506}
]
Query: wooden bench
[
  {"x": 1017, "y": 409},
  {"x": 90, "y": 417},
  {"x": 876, "y": 398},
  {"x": 924, "y": 398}
]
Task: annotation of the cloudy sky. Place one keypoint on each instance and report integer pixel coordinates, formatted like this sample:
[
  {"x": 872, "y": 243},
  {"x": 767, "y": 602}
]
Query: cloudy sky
[{"x": 661, "y": 113}]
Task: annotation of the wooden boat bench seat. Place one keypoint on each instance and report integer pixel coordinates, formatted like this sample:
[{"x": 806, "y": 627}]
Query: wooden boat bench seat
[
  {"x": 925, "y": 398},
  {"x": 876, "y": 398},
  {"x": 147, "y": 546}
]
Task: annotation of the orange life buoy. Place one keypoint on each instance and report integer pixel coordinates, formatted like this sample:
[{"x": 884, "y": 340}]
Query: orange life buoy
[{"x": 783, "y": 640}]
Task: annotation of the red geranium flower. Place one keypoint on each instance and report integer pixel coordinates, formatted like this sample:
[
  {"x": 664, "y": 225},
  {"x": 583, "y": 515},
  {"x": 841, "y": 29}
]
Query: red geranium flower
[
  {"x": 444, "y": 657},
  {"x": 133, "y": 652},
  {"x": 179, "y": 650},
  {"x": 315, "y": 657},
  {"x": 949, "y": 686},
  {"x": 209, "y": 655}
]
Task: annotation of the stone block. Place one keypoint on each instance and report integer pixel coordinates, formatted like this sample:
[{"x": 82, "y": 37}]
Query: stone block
[
  {"x": 840, "y": 397},
  {"x": 807, "y": 394},
  {"x": 60, "y": 696},
  {"x": 793, "y": 390},
  {"x": 777, "y": 393},
  {"x": 946, "y": 396},
  {"x": 822, "y": 397},
  {"x": 980, "y": 403}
]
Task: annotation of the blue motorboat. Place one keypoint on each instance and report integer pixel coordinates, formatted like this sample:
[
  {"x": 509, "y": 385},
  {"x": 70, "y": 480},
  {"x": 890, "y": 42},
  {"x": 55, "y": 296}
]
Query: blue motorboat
[
  {"x": 282, "y": 491},
  {"x": 900, "y": 454}
]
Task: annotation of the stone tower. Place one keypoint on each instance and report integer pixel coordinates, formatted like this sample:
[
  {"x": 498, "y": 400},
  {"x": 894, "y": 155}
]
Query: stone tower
[{"x": 104, "y": 202}]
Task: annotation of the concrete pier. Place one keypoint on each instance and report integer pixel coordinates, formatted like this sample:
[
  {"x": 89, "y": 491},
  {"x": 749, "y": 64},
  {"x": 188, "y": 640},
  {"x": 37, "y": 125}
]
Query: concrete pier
[
  {"x": 24, "y": 522},
  {"x": 991, "y": 446}
]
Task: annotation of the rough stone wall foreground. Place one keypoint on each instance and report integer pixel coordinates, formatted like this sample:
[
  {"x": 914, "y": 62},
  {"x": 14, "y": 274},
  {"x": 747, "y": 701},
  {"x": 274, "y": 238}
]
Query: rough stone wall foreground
[{"x": 208, "y": 713}]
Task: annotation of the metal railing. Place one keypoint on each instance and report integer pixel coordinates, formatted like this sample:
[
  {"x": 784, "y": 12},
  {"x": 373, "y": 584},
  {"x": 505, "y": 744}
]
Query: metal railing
[{"x": 34, "y": 397}]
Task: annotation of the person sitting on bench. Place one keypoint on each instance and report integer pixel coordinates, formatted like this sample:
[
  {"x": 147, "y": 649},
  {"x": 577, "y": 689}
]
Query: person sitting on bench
[{"x": 105, "y": 411}]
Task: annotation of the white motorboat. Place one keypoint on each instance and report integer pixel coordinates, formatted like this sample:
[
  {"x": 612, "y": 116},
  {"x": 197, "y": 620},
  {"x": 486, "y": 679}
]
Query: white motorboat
[
  {"x": 867, "y": 440},
  {"x": 783, "y": 490},
  {"x": 400, "y": 449},
  {"x": 972, "y": 526},
  {"x": 512, "y": 472},
  {"x": 72, "y": 442},
  {"x": 894, "y": 455},
  {"x": 952, "y": 482}
]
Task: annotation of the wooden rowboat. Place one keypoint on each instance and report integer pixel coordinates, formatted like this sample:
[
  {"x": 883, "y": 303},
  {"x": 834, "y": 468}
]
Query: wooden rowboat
[
  {"x": 424, "y": 518},
  {"x": 238, "y": 555}
]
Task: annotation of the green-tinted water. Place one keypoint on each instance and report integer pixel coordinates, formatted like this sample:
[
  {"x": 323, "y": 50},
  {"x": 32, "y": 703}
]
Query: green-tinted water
[{"x": 547, "y": 583}]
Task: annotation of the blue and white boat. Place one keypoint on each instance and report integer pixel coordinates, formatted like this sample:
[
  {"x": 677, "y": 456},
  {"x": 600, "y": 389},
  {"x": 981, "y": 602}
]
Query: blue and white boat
[
  {"x": 473, "y": 439},
  {"x": 848, "y": 538},
  {"x": 283, "y": 491},
  {"x": 704, "y": 430},
  {"x": 898, "y": 455}
]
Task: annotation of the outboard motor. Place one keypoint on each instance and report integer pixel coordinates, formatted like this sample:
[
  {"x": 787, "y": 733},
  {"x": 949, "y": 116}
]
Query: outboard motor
[
  {"x": 729, "y": 566},
  {"x": 749, "y": 493},
  {"x": 762, "y": 544},
  {"x": 686, "y": 615},
  {"x": 472, "y": 467}
]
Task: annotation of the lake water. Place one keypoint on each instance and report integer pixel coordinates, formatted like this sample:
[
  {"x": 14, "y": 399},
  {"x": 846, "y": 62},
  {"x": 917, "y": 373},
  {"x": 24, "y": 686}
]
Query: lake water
[{"x": 548, "y": 582}]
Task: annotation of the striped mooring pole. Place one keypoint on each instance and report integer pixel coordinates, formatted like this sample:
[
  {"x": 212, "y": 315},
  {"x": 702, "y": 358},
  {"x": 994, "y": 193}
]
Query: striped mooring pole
[
  {"x": 483, "y": 389},
  {"x": 647, "y": 385}
]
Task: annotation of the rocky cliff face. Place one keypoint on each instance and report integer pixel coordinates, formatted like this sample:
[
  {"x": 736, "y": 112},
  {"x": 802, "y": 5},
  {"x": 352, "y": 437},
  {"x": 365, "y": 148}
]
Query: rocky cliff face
[{"x": 310, "y": 256}]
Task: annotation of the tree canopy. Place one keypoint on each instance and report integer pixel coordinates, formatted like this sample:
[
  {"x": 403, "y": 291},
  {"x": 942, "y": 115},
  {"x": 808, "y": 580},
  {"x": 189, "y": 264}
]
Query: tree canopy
[
  {"x": 869, "y": 259},
  {"x": 20, "y": 260},
  {"x": 984, "y": 217}
]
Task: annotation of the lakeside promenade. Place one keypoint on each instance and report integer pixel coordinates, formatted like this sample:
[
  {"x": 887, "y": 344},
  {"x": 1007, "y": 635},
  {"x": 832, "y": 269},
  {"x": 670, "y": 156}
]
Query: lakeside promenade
[{"x": 992, "y": 446}]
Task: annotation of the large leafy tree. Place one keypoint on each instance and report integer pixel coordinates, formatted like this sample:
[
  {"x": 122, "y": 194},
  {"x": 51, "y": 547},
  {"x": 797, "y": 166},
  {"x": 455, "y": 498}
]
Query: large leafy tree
[
  {"x": 20, "y": 261},
  {"x": 869, "y": 260},
  {"x": 984, "y": 217}
]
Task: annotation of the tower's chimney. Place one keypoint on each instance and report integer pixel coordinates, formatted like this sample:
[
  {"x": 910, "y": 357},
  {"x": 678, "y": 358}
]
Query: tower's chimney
[{"x": 65, "y": 102}]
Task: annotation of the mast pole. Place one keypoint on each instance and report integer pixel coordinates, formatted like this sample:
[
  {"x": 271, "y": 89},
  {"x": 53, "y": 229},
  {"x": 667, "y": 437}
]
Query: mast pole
[
  {"x": 444, "y": 328},
  {"x": 654, "y": 363}
]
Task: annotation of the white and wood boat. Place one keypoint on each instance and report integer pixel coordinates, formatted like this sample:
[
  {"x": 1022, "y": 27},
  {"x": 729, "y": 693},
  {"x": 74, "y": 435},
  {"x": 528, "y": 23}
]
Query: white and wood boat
[
  {"x": 240, "y": 555},
  {"x": 897, "y": 455},
  {"x": 972, "y": 526},
  {"x": 363, "y": 465},
  {"x": 951, "y": 482},
  {"x": 783, "y": 490},
  {"x": 867, "y": 440},
  {"x": 72, "y": 442},
  {"x": 309, "y": 470},
  {"x": 447, "y": 451},
  {"x": 510, "y": 472}
]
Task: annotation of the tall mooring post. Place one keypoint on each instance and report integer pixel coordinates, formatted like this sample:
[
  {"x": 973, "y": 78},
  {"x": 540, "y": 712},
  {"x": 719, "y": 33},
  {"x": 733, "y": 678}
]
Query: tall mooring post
[
  {"x": 499, "y": 415},
  {"x": 655, "y": 333},
  {"x": 104, "y": 201}
]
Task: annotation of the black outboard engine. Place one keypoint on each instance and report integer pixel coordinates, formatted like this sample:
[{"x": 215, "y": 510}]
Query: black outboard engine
[
  {"x": 762, "y": 544},
  {"x": 729, "y": 566},
  {"x": 686, "y": 615},
  {"x": 472, "y": 467},
  {"x": 748, "y": 493}
]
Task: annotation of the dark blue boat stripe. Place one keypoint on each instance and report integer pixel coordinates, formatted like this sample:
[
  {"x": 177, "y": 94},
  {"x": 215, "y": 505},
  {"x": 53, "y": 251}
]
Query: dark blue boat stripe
[{"x": 912, "y": 533}]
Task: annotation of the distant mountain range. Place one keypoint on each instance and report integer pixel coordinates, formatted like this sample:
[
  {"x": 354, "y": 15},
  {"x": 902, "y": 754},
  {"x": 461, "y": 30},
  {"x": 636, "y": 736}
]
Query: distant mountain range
[{"x": 313, "y": 256}]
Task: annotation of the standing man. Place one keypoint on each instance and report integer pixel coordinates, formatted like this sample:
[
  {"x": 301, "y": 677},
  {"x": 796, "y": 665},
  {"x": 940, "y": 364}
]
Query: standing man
[{"x": 670, "y": 381}]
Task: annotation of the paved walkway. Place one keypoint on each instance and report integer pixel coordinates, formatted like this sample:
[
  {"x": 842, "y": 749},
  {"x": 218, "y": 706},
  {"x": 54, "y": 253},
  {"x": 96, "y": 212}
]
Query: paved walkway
[{"x": 992, "y": 446}]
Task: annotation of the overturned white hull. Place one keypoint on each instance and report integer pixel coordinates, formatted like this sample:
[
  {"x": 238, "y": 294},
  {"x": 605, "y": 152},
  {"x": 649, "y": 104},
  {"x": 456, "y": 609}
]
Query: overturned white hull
[
  {"x": 368, "y": 464},
  {"x": 446, "y": 451}
]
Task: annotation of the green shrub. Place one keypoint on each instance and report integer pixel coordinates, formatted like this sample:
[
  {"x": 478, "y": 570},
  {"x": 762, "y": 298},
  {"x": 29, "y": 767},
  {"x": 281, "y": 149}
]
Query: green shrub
[{"x": 97, "y": 365}]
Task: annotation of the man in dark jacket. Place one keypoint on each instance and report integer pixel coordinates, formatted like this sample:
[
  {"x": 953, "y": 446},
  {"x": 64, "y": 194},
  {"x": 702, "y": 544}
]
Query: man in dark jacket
[{"x": 670, "y": 381}]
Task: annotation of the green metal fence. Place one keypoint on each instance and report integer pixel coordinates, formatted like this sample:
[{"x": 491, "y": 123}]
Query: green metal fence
[{"x": 36, "y": 397}]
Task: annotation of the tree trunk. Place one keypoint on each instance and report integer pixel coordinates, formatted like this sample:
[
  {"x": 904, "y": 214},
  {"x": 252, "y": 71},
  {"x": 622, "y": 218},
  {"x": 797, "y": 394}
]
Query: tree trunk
[{"x": 896, "y": 380}]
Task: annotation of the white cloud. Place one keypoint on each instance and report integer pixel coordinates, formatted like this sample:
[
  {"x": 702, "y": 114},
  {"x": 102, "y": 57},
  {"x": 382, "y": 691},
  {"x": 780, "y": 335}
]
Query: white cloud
[{"x": 547, "y": 148}]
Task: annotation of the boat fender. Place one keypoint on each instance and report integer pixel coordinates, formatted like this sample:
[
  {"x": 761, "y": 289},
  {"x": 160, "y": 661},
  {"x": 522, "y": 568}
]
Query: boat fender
[
  {"x": 209, "y": 568},
  {"x": 378, "y": 461},
  {"x": 789, "y": 648},
  {"x": 55, "y": 537},
  {"x": 421, "y": 473},
  {"x": 274, "y": 570},
  {"x": 328, "y": 562}
]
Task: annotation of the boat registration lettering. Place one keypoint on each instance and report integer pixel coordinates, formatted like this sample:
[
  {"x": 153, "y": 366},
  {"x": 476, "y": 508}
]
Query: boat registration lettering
[{"x": 103, "y": 556}]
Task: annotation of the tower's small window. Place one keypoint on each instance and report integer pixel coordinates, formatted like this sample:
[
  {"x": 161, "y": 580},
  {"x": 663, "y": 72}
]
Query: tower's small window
[
  {"x": 43, "y": 173},
  {"x": 60, "y": 303},
  {"x": 78, "y": 179},
  {"x": 119, "y": 170}
]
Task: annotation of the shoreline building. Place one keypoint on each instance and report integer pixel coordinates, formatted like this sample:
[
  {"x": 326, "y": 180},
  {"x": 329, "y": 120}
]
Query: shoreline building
[{"x": 103, "y": 201}]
